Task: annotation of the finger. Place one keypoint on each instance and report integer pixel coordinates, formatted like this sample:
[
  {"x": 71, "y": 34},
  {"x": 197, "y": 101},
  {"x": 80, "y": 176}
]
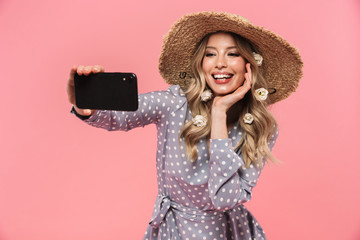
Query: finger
[
  {"x": 84, "y": 112},
  {"x": 247, "y": 79},
  {"x": 80, "y": 70},
  {"x": 70, "y": 85},
  {"x": 87, "y": 112},
  {"x": 248, "y": 68},
  {"x": 248, "y": 74},
  {"x": 248, "y": 83},
  {"x": 71, "y": 77},
  {"x": 242, "y": 90},
  {"x": 87, "y": 70},
  {"x": 72, "y": 72},
  {"x": 97, "y": 69}
]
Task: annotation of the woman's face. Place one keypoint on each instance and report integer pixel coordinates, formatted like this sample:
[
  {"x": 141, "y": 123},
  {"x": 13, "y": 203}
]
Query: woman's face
[{"x": 222, "y": 64}]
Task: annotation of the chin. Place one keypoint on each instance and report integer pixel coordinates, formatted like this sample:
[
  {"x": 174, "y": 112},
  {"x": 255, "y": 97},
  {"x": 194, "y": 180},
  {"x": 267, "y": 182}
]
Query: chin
[{"x": 223, "y": 92}]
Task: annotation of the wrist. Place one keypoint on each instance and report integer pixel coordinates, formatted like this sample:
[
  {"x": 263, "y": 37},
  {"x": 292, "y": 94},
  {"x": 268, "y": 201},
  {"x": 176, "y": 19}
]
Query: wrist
[
  {"x": 218, "y": 113},
  {"x": 218, "y": 124}
]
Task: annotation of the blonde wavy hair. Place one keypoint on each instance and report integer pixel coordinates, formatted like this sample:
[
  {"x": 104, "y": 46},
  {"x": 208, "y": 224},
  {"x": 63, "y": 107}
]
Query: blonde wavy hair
[{"x": 254, "y": 142}]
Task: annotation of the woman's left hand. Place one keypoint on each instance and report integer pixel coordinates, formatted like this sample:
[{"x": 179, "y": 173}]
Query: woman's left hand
[{"x": 223, "y": 103}]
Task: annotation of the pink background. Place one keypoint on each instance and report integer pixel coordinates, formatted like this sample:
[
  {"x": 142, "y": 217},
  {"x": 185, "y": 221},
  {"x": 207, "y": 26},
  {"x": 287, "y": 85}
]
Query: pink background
[{"x": 61, "y": 179}]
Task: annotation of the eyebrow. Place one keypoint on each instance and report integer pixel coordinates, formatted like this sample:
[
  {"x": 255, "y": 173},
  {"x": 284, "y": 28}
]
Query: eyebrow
[{"x": 226, "y": 48}]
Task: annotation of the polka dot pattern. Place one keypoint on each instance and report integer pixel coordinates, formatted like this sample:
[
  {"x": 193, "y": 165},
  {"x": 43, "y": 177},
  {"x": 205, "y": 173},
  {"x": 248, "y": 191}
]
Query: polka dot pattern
[{"x": 196, "y": 200}]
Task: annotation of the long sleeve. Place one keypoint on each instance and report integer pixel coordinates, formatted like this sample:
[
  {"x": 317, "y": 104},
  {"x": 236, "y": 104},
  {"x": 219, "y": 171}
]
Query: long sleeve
[
  {"x": 153, "y": 107},
  {"x": 230, "y": 183}
]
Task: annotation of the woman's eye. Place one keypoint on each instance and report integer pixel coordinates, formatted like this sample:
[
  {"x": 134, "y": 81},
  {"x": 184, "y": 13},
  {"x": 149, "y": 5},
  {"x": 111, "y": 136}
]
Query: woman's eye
[
  {"x": 209, "y": 54},
  {"x": 234, "y": 54}
]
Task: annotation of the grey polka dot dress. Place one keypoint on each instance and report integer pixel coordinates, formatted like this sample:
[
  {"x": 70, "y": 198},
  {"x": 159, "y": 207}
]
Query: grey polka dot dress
[{"x": 196, "y": 200}]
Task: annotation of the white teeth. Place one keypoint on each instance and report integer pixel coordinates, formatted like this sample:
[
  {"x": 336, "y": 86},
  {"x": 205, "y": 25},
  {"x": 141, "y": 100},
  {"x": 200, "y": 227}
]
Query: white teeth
[{"x": 222, "y": 76}]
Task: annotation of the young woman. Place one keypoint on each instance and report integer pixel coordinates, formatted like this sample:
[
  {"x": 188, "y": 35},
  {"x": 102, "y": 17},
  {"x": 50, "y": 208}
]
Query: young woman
[{"x": 214, "y": 129}]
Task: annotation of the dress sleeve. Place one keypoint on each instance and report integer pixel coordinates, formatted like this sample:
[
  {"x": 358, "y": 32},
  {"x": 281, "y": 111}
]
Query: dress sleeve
[
  {"x": 153, "y": 107},
  {"x": 230, "y": 183}
]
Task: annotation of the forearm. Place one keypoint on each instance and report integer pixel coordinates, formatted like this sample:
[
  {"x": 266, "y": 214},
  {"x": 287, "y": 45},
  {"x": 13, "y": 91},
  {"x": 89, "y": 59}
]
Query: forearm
[
  {"x": 218, "y": 124},
  {"x": 115, "y": 120},
  {"x": 153, "y": 106},
  {"x": 230, "y": 183}
]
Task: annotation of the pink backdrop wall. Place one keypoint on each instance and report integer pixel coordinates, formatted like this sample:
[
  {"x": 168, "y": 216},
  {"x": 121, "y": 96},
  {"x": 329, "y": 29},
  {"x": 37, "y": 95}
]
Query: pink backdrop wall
[{"x": 61, "y": 179}]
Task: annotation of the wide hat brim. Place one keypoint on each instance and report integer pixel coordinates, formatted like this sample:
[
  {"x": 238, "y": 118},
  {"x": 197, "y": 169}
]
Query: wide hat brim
[{"x": 281, "y": 66}]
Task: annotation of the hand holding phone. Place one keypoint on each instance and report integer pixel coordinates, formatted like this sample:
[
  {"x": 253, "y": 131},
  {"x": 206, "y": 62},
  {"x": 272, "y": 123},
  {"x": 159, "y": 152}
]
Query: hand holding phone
[
  {"x": 70, "y": 88},
  {"x": 106, "y": 91}
]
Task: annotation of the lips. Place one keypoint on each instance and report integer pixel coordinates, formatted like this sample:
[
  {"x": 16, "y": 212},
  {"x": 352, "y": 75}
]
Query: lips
[{"x": 222, "y": 78}]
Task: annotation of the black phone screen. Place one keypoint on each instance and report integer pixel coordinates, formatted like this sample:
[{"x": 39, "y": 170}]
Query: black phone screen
[{"x": 106, "y": 91}]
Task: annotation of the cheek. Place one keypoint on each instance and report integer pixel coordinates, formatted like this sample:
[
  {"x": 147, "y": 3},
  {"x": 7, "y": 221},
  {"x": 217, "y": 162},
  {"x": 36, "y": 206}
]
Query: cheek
[
  {"x": 207, "y": 80},
  {"x": 206, "y": 68},
  {"x": 239, "y": 66},
  {"x": 205, "y": 65}
]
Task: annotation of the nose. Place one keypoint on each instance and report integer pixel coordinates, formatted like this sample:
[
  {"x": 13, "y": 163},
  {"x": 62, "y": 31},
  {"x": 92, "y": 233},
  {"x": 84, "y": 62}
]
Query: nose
[{"x": 221, "y": 62}]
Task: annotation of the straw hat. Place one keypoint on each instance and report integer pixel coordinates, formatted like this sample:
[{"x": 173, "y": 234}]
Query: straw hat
[{"x": 282, "y": 64}]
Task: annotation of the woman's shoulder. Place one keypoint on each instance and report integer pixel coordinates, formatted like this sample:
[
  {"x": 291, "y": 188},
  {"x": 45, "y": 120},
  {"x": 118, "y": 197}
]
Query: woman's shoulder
[
  {"x": 173, "y": 92},
  {"x": 170, "y": 99},
  {"x": 176, "y": 91}
]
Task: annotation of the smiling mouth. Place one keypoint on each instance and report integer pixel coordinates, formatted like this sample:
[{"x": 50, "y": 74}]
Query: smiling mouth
[{"x": 222, "y": 78}]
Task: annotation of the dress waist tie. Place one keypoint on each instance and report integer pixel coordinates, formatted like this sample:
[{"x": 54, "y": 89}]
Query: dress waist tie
[{"x": 163, "y": 204}]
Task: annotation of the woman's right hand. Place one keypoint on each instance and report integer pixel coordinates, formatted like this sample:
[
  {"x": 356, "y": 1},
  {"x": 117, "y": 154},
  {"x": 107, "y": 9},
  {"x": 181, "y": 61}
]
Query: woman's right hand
[{"x": 81, "y": 70}]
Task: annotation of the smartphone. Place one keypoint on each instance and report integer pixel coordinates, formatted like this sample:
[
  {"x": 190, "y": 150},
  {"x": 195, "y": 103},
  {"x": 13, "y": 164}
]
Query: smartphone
[{"x": 106, "y": 91}]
